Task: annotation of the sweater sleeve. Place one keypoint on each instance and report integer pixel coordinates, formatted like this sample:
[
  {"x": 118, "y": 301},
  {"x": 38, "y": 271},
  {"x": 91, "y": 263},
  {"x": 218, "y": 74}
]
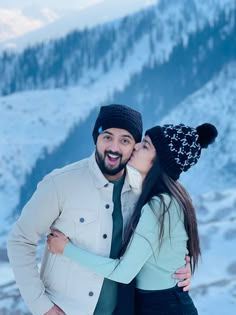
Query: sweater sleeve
[{"x": 142, "y": 246}]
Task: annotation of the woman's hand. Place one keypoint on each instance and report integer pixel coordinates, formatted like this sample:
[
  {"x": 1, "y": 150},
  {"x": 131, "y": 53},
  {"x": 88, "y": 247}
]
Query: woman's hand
[
  {"x": 184, "y": 275},
  {"x": 56, "y": 242}
]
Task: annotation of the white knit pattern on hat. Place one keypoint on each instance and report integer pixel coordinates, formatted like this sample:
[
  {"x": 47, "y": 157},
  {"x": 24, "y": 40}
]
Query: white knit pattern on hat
[{"x": 182, "y": 141}]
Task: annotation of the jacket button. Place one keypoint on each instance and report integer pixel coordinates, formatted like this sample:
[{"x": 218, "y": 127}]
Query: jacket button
[
  {"x": 90, "y": 293},
  {"x": 107, "y": 206},
  {"x": 106, "y": 185},
  {"x": 81, "y": 220},
  {"x": 104, "y": 236}
]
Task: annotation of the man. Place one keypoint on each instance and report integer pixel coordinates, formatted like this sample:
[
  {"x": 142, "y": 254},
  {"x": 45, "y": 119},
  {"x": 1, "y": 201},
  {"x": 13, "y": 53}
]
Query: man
[{"x": 91, "y": 202}]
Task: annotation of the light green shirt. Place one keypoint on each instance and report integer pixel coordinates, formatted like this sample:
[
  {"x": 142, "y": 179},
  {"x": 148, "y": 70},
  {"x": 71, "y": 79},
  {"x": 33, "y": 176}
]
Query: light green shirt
[{"x": 152, "y": 265}]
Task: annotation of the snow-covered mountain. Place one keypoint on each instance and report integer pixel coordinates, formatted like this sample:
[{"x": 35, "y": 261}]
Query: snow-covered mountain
[
  {"x": 214, "y": 285},
  {"x": 214, "y": 103},
  {"x": 175, "y": 62},
  {"x": 153, "y": 36}
]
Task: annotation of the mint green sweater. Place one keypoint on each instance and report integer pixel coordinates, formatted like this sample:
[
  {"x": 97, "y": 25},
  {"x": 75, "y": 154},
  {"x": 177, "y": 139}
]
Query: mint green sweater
[{"x": 152, "y": 265}]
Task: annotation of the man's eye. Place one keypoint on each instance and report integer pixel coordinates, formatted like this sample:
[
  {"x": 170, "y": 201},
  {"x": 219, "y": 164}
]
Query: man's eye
[
  {"x": 107, "y": 137},
  {"x": 125, "y": 141}
]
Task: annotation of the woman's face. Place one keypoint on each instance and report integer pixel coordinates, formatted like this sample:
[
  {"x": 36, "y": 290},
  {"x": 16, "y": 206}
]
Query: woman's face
[{"x": 143, "y": 156}]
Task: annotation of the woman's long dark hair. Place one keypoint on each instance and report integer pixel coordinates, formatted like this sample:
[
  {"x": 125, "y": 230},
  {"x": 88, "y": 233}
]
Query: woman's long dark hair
[{"x": 156, "y": 183}]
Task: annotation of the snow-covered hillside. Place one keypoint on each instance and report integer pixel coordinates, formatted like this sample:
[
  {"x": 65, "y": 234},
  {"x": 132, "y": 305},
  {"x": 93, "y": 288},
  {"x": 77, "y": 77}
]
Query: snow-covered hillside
[
  {"x": 148, "y": 37},
  {"x": 214, "y": 285},
  {"x": 214, "y": 103}
]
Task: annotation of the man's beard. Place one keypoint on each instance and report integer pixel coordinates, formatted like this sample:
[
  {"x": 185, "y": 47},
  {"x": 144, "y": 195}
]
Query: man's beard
[{"x": 104, "y": 169}]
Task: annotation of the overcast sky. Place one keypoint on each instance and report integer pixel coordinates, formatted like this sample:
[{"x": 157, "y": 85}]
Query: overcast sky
[
  {"x": 65, "y": 4},
  {"x": 26, "y": 21},
  {"x": 47, "y": 3}
]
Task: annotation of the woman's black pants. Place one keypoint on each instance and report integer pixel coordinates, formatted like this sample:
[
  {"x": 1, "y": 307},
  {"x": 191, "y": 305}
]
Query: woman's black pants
[{"x": 173, "y": 301}]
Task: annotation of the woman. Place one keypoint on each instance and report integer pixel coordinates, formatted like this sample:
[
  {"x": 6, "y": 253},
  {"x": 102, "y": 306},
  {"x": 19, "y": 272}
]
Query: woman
[{"x": 163, "y": 227}]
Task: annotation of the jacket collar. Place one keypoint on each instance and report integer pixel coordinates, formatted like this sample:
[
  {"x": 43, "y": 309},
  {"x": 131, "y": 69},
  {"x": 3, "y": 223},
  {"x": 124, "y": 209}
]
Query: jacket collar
[{"x": 132, "y": 178}]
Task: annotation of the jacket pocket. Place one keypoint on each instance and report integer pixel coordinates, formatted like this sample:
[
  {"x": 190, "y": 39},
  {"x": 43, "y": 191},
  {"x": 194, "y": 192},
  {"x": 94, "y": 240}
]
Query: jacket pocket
[
  {"x": 86, "y": 228},
  {"x": 72, "y": 219},
  {"x": 85, "y": 216},
  {"x": 80, "y": 225}
]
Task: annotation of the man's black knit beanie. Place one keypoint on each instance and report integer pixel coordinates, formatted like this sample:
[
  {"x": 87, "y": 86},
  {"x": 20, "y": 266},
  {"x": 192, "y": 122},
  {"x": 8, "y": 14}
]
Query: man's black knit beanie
[{"x": 119, "y": 116}]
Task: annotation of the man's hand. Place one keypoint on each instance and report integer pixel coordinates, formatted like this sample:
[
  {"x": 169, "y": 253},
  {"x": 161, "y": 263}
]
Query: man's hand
[
  {"x": 55, "y": 310},
  {"x": 184, "y": 275},
  {"x": 57, "y": 242}
]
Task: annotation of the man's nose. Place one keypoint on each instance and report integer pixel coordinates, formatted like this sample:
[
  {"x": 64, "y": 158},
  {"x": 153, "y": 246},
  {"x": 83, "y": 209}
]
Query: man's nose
[{"x": 114, "y": 146}]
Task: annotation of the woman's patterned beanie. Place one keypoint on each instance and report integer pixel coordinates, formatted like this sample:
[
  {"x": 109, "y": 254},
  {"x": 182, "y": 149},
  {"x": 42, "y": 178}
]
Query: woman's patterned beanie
[{"x": 179, "y": 146}]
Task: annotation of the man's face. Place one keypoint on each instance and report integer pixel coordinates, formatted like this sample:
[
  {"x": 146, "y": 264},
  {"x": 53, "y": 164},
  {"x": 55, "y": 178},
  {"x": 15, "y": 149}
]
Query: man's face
[{"x": 113, "y": 151}]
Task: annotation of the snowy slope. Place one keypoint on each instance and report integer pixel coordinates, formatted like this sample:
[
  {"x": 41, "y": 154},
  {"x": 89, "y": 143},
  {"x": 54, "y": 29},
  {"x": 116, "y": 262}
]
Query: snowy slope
[
  {"x": 149, "y": 36},
  {"x": 214, "y": 103},
  {"x": 214, "y": 285}
]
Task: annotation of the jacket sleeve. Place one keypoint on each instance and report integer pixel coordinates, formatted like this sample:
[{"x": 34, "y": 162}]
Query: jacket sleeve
[
  {"x": 142, "y": 246},
  {"x": 35, "y": 220}
]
